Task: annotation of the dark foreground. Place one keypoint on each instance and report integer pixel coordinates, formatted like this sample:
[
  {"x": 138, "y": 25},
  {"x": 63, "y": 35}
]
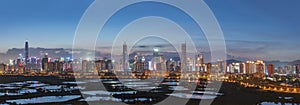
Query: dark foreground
[{"x": 233, "y": 94}]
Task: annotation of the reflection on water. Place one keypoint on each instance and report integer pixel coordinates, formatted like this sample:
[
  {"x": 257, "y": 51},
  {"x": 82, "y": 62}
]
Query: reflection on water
[
  {"x": 192, "y": 96},
  {"x": 130, "y": 91},
  {"x": 9, "y": 94},
  {"x": 45, "y": 99},
  {"x": 286, "y": 98},
  {"x": 138, "y": 99},
  {"x": 36, "y": 85},
  {"x": 170, "y": 83},
  {"x": 178, "y": 88},
  {"x": 26, "y": 90},
  {"x": 77, "y": 82},
  {"x": 207, "y": 92},
  {"x": 102, "y": 98},
  {"x": 11, "y": 88},
  {"x": 284, "y": 101},
  {"x": 273, "y": 103},
  {"x": 29, "y": 87},
  {"x": 137, "y": 83},
  {"x": 102, "y": 92},
  {"x": 112, "y": 82},
  {"x": 147, "y": 88}
]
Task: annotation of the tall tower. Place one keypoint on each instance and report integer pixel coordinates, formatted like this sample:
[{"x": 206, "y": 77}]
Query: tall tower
[
  {"x": 45, "y": 63},
  {"x": 271, "y": 70},
  {"x": 155, "y": 60},
  {"x": 26, "y": 52},
  {"x": 199, "y": 63},
  {"x": 125, "y": 57},
  {"x": 260, "y": 67},
  {"x": 155, "y": 52},
  {"x": 183, "y": 57},
  {"x": 201, "y": 60}
]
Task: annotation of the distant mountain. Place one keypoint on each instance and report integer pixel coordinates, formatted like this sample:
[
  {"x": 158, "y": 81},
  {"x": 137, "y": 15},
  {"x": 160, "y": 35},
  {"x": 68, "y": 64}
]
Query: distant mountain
[
  {"x": 230, "y": 57},
  {"x": 232, "y": 61},
  {"x": 277, "y": 63},
  {"x": 14, "y": 53},
  {"x": 294, "y": 62},
  {"x": 176, "y": 56}
]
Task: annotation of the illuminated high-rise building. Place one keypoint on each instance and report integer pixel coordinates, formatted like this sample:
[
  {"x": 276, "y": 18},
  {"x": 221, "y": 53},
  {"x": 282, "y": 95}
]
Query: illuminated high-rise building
[
  {"x": 236, "y": 67},
  {"x": 161, "y": 63},
  {"x": 289, "y": 69},
  {"x": 183, "y": 57},
  {"x": 125, "y": 57},
  {"x": 201, "y": 60},
  {"x": 280, "y": 70},
  {"x": 242, "y": 68},
  {"x": 250, "y": 67},
  {"x": 170, "y": 65},
  {"x": 221, "y": 66},
  {"x": 45, "y": 62},
  {"x": 297, "y": 66},
  {"x": 2, "y": 68},
  {"x": 271, "y": 70},
  {"x": 230, "y": 68},
  {"x": 26, "y": 52},
  {"x": 189, "y": 64},
  {"x": 209, "y": 68},
  {"x": 155, "y": 59},
  {"x": 260, "y": 67},
  {"x": 199, "y": 63},
  {"x": 155, "y": 52}
]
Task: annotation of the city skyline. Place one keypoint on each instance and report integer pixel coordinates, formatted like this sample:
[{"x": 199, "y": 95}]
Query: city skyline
[
  {"x": 140, "y": 63},
  {"x": 40, "y": 51}
]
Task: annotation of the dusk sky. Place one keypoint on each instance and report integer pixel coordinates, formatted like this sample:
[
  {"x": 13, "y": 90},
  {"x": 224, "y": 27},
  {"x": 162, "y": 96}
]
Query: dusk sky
[{"x": 268, "y": 29}]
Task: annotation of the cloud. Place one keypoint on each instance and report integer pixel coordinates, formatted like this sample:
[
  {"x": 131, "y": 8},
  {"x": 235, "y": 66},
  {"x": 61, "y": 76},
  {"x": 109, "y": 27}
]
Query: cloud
[{"x": 269, "y": 50}]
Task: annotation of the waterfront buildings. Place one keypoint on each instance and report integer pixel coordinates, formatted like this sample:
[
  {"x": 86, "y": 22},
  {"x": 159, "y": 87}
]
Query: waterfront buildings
[
  {"x": 125, "y": 58},
  {"x": 183, "y": 57},
  {"x": 271, "y": 69},
  {"x": 140, "y": 63}
]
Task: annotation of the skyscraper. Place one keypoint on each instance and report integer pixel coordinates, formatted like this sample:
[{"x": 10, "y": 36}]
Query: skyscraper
[
  {"x": 125, "y": 57},
  {"x": 183, "y": 57},
  {"x": 242, "y": 68},
  {"x": 209, "y": 68},
  {"x": 297, "y": 66},
  {"x": 199, "y": 63},
  {"x": 271, "y": 69},
  {"x": 26, "y": 52},
  {"x": 45, "y": 62},
  {"x": 155, "y": 52},
  {"x": 221, "y": 66},
  {"x": 155, "y": 60},
  {"x": 250, "y": 67},
  {"x": 260, "y": 67}
]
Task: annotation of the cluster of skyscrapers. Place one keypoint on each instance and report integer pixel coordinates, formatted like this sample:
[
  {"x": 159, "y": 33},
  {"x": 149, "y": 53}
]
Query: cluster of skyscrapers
[
  {"x": 26, "y": 64},
  {"x": 139, "y": 63}
]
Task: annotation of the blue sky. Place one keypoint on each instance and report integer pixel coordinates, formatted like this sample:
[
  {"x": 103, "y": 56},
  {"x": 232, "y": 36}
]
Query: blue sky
[
  {"x": 263, "y": 28},
  {"x": 266, "y": 29}
]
